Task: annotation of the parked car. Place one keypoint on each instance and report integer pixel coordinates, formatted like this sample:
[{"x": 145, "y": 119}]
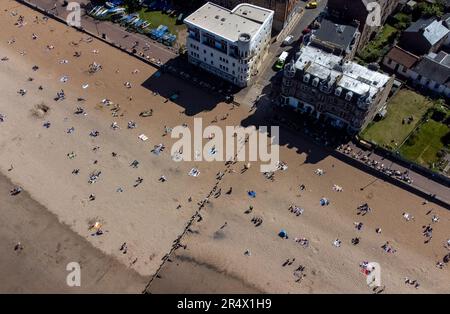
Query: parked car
[
  {"x": 288, "y": 40},
  {"x": 311, "y": 5}
]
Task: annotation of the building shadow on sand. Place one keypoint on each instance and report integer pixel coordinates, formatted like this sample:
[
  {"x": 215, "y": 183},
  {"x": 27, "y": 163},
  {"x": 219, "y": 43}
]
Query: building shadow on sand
[
  {"x": 198, "y": 91},
  {"x": 299, "y": 132},
  {"x": 189, "y": 87}
]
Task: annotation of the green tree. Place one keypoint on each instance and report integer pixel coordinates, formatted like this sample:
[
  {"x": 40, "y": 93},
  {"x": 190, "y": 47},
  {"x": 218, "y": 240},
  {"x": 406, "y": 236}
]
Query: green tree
[
  {"x": 426, "y": 10},
  {"x": 132, "y": 5}
]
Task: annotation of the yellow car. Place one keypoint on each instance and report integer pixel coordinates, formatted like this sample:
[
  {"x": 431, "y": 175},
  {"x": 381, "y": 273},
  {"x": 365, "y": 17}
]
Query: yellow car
[{"x": 311, "y": 5}]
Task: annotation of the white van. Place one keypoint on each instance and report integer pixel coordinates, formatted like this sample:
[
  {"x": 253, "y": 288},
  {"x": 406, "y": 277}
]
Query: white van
[{"x": 281, "y": 60}]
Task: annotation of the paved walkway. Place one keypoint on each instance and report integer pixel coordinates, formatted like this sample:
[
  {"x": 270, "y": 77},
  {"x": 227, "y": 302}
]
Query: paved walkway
[
  {"x": 125, "y": 40},
  {"x": 114, "y": 34}
]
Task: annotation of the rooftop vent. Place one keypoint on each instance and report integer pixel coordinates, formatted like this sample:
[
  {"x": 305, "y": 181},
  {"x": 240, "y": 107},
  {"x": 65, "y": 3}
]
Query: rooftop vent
[{"x": 244, "y": 37}]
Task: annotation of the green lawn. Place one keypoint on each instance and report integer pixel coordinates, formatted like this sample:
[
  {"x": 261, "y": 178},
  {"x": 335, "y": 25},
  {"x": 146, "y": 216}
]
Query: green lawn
[
  {"x": 376, "y": 48},
  {"x": 422, "y": 147},
  {"x": 390, "y": 132},
  {"x": 156, "y": 18}
]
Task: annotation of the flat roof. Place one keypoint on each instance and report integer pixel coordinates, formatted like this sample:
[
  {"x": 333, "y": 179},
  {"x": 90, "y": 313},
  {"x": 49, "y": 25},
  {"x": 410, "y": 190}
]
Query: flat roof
[
  {"x": 338, "y": 34},
  {"x": 229, "y": 24}
]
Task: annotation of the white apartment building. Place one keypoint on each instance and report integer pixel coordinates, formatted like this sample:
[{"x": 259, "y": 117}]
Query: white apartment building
[{"x": 230, "y": 44}]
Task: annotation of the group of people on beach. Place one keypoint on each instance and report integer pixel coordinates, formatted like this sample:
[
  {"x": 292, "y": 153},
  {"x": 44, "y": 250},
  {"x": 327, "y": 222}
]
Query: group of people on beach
[
  {"x": 364, "y": 157},
  {"x": 216, "y": 191}
]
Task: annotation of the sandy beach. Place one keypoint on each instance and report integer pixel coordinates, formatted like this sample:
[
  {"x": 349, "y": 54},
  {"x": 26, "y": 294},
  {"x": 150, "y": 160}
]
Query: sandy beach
[
  {"x": 48, "y": 246},
  {"x": 52, "y": 153}
]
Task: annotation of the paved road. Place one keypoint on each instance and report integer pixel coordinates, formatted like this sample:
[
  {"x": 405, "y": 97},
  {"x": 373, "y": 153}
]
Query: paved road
[
  {"x": 249, "y": 94},
  {"x": 152, "y": 49},
  {"x": 155, "y": 50},
  {"x": 115, "y": 33},
  {"x": 276, "y": 49}
]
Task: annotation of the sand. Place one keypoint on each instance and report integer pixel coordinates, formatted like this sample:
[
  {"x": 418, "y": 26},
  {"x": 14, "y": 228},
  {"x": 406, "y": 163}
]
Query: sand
[
  {"x": 147, "y": 217},
  {"x": 48, "y": 246}
]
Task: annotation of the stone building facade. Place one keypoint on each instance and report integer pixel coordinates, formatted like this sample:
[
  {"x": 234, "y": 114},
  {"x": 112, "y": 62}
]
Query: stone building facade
[{"x": 327, "y": 87}]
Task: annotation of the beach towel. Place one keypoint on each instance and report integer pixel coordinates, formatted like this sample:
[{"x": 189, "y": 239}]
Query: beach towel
[
  {"x": 143, "y": 137},
  {"x": 194, "y": 172}
]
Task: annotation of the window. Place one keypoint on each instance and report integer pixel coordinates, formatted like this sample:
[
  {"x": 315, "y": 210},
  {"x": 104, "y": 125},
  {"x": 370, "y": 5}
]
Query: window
[
  {"x": 306, "y": 78},
  {"x": 349, "y": 96},
  {"x": 315, "y": 82}
]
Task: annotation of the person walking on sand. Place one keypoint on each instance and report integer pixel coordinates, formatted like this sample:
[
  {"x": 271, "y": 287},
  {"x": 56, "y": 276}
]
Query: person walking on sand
[
  {"x": 124, "y": 248},
  {"x": 18, "y": 247},
  {"x": 139, "y": 180}
]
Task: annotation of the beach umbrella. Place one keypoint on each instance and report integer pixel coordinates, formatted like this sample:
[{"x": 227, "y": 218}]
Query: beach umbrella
[
  {"x": 252, "y": 194},
  {"x": 282, "y": 234}
]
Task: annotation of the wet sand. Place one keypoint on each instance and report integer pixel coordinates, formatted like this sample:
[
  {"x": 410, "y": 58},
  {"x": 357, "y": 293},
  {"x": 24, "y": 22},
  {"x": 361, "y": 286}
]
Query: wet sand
[
  {"x": 185, "y": 274},
  {"x": 48, "y": 246}
]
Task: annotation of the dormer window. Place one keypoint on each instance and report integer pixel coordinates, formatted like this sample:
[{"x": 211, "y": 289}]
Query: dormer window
[
  {"x": 338, "y": 91},
  {"x": 315, "y": 82},
  {"x": 349, "y": 96},
  {"x": 306, "y": 78}
]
